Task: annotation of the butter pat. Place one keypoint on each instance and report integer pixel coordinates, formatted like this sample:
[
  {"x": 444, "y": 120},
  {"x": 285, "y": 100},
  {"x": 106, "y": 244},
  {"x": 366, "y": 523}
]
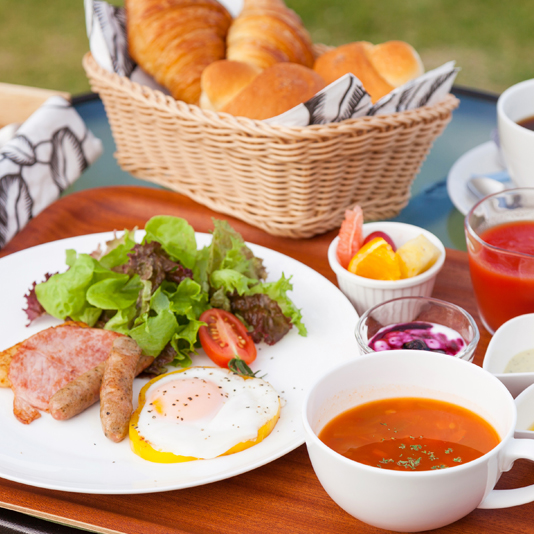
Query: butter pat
[{"x": 417, "y": 256}]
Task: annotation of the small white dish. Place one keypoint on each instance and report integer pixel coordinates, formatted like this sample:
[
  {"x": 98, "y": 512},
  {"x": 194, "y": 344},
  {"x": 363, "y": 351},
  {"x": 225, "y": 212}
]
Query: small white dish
[
  {"x": 364, "y": 293},
  {"x": 525, "y": 414},
  {"x": 514, "y": 336},
  {"x": 481, "y": 160}
]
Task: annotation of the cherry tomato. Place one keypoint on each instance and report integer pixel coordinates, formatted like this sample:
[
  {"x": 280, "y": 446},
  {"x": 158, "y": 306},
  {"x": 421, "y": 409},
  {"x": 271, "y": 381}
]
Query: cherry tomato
[
  {"x": 225, "y": 337},
  {"x": 383, "y": 235}
]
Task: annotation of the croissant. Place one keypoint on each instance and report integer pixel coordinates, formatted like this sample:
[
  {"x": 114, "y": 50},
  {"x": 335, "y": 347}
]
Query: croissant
[
  {"x": 267, "y": 32},
  {"x": 175, "y": 40}
]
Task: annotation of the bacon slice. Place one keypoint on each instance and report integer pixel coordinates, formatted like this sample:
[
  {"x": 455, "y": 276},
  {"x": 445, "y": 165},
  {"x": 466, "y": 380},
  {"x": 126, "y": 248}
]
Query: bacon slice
[
  {"x": 52, "y": 358},
  {"x": 5, "y": 361},
  {"x": 24, "y": 412}
]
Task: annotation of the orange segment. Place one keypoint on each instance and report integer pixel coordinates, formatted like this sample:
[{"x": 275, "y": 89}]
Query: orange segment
[
  {"x": 350, "y": 236},
  {"x": 376, "y": 260}
]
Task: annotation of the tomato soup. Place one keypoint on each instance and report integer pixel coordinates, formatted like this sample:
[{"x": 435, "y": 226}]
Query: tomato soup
[
  {"x": 410, "y": 434},
  {"x": 504, "y": 284}
]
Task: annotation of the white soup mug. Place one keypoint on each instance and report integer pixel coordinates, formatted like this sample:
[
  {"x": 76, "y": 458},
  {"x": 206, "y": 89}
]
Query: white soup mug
[{"x": 415, "y": 500}]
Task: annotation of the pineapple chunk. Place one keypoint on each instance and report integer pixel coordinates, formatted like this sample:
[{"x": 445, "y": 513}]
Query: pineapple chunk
[{"x": 417, "y": 256}]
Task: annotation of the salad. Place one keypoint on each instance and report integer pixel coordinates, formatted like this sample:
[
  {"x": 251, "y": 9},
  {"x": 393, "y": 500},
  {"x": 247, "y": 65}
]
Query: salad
[{"x": 157, "y": 290}]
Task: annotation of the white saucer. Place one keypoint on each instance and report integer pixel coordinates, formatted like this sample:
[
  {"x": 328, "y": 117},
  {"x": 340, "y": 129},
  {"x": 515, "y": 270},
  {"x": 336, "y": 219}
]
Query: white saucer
[{"x": 483, "y": 159}]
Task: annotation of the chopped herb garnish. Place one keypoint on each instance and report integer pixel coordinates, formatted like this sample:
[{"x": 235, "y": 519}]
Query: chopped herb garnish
[
  {"x": 239, "y": 367},
  {"x": 457, "y": 459},
  {"x": 416, "y": 447},
  {"x": 402, "y": 446},
  {"x": 409, "y": 463},
  {"x": 448, "y": 451}
]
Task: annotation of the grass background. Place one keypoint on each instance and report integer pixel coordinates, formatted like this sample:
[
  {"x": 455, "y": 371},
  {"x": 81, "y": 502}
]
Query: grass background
[{"x": 42, "y": 42}]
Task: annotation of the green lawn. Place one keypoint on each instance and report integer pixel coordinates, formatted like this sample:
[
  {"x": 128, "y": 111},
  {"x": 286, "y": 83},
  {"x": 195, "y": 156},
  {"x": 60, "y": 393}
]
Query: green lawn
[{"x": 42, "y": 42}]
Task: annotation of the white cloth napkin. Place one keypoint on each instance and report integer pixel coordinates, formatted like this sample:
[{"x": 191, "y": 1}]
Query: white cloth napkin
[
  {"x": 45, "y": 155},
  {"x": 343, "y": 99}
]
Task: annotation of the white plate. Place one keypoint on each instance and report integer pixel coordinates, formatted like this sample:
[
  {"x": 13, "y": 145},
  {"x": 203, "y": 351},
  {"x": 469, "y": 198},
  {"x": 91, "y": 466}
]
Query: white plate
[
  {"x": 75, "y": 456},
  {"x": 483, "y": 159}
]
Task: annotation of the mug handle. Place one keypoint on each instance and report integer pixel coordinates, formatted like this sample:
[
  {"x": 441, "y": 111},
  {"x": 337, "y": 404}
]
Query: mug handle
[{"x": 516, "y": 449}]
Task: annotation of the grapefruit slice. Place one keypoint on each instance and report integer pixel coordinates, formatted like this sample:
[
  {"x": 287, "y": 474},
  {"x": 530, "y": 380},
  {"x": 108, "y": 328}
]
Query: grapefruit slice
[{"x": 350, "y": 236}]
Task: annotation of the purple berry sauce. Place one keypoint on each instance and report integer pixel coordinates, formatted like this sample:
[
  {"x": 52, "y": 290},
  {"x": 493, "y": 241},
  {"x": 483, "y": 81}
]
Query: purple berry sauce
[{"x": 419, "y": 336}]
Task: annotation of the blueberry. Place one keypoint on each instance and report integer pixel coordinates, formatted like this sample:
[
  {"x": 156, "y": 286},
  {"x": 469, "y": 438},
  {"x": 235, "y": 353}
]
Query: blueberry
[{"x": 416, "y": 344}]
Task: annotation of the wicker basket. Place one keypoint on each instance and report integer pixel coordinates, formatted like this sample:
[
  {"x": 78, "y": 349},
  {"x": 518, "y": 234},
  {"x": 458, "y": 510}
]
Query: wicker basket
[{"x": 290, "y": 181}]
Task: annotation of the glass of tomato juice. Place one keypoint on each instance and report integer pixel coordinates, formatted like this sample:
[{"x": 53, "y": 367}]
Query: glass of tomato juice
[{"x": 500, "y": 243}]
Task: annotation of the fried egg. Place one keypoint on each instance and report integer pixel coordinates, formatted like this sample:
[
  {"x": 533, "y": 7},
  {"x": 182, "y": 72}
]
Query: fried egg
[{"x": 201, "y": 413}]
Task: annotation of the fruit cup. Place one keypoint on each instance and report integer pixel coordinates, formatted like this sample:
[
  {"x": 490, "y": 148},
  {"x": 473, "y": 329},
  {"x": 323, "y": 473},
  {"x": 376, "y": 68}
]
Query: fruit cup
[{"x": 365, "y": 293}]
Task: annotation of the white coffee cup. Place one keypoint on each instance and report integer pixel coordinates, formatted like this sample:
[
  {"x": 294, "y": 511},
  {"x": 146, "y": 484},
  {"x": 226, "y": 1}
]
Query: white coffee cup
[
  {"x": 517, "y": 142},
  {"x": 416, "y": 500}
]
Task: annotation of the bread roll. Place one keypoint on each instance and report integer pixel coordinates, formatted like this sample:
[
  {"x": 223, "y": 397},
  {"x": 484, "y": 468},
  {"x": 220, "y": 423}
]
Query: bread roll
[
  {"x": 267, "y": 32},
  {"x": 380, "y": 68},
  {"x": 175, "y": 40},
  {"x": 276, "y": 90},
  {"x": 396, "y": 61},
  {"x": 223, "y": 80}
]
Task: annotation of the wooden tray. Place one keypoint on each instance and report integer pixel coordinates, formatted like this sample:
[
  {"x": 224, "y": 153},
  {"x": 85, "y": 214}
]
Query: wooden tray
[{"x": 283, "y": 496}]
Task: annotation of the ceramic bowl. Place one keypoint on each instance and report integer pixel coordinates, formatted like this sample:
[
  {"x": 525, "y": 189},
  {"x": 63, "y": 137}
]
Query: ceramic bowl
[
  {"x": 512, "y": 337},
  {"x": 407, "y": 501},
  {"x": 364, "y": 293},
  {"x": 424, "y": 309},
  {"x": 525, "y": 413}
]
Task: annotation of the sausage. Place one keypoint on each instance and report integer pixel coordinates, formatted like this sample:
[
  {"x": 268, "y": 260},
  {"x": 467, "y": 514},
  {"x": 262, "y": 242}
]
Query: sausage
[
  {"x": 116, "y": 392},
  {"x": 84, "y": 391}
]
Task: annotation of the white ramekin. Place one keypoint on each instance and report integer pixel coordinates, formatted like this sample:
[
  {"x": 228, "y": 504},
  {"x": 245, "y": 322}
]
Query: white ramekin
[{"x": 364, "y": 293}]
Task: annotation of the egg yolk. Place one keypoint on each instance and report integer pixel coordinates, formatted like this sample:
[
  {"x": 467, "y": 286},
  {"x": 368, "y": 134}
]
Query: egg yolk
[{"x": 186, "y": 400}]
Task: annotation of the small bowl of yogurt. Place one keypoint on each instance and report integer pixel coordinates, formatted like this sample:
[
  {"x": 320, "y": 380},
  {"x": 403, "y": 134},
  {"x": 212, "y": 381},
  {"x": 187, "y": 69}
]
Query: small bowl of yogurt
[
  {"x": 418, "y": 323},
  {"x": 510, "y": 354}
]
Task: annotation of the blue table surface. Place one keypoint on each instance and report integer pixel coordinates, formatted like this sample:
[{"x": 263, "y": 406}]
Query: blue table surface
[{"x": 430, "y": 206}]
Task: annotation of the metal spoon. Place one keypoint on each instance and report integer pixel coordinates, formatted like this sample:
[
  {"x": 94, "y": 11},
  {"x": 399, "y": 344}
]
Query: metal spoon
[{"x": 482, "y": 186}]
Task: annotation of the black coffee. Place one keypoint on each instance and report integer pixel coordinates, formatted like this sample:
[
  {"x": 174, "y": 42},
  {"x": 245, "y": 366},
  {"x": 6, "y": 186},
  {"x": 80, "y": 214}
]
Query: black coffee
[{"x": 527, "y": 123}]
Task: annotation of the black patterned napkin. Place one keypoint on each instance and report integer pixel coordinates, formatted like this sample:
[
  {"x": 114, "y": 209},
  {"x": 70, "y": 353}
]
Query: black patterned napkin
[
  {"x": 39, "y": 160},
  {"x": 343, "y": 99}
]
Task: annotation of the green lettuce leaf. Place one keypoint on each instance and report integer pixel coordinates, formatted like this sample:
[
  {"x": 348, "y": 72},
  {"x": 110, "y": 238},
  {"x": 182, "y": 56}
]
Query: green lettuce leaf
[
  {"x": 122, "y": 320},
  {"x": 229, "y": 251},
  {"x": 188, "y": 300},
  {"x": 184, "y": 343},
  {"x": 117, "y": 250},
  {"x": 115, "y": 293},
  {"x": 230, "y": 281},
  {"x": 65, "y": 294},
  {"x": 176, "y": 236},
  {"x": 157, "y": 327}
]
